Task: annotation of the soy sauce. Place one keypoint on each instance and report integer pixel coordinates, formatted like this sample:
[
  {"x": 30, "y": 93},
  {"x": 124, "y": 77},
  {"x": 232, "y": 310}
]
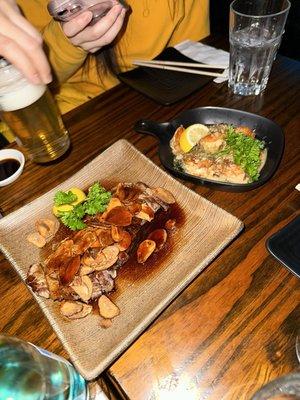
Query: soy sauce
[{"x": 8, "y": 167}]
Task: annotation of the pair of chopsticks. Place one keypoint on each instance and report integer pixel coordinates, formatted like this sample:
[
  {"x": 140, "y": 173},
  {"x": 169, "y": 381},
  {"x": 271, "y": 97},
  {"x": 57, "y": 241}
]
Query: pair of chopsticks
[{"x": 176, "y": 66}]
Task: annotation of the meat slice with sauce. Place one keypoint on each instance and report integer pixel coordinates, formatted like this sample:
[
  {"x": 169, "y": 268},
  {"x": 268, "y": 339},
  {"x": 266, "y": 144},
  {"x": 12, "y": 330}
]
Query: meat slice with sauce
[{"x": 83, "y": 267}]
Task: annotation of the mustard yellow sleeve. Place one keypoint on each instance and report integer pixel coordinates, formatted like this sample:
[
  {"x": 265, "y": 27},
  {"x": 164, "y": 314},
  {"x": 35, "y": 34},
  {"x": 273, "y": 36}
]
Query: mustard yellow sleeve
[
  {"x": 194, "y": 24},
  {"x": 65, "y": 58}
]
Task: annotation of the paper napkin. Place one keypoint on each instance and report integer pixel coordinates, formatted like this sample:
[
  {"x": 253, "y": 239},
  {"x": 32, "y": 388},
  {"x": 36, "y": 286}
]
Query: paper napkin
[{"x": 205, "y": 54}]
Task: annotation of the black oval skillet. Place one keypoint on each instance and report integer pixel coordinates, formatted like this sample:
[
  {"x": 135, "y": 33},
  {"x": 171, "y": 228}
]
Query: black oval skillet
[{"x": 265, "y": 129}]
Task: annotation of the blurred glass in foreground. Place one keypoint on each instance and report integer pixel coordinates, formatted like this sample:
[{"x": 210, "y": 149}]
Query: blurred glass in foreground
[
  {"x": 28, "y": 372},
  {"x": 286, "y": 387}
]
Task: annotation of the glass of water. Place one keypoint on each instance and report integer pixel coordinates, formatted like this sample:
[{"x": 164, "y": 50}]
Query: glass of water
[
  {"x": 286, "y": 387},
  {"x": 255, "y": 31}
]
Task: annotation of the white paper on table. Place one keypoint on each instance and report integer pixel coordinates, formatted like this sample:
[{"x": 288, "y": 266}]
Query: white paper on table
[{"x": 205, "y": 54}]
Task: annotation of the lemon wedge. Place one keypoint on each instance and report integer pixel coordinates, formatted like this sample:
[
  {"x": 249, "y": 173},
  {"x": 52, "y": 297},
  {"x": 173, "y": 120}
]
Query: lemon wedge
[
  {"x": 191, "y": 136},
  {"x": 63, "y": 208},
  {"x": 80, "y": 195}
]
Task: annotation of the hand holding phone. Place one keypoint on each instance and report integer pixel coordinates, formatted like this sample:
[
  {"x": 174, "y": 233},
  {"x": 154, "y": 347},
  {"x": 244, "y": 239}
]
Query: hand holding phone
[
  {"x": 65, "y": 10},
  {"x": 89, "y": 34}
]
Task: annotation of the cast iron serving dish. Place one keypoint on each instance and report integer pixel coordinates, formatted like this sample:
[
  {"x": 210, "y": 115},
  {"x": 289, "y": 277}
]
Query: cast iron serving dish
[{"x": 265, "y": 129}]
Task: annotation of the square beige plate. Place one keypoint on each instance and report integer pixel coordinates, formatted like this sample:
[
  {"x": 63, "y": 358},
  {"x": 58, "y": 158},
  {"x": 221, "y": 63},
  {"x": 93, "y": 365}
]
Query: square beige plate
[{"x": 207, "y": 229}]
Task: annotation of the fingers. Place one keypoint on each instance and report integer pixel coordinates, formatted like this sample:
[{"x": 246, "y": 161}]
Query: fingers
[
  {"x": 108, "y": 37},
  {"x": 76, "y": 25},
  {"x": 10, "y": 4},
  {"x": 10, "y": 11},
  {"x": 25, "y": 26},
  {"x": 21, "y": 44},
  {"x": 12, "y": 52},
  {"x": 96, "y": 31},
  {"x": 93, "y": 37},
  {"x": 25, "y": 52}
]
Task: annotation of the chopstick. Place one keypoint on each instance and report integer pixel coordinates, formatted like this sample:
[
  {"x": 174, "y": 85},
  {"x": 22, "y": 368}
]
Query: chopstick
[
  {"x": 171, "y": 68},
  {"x": 181, "y": 64}
]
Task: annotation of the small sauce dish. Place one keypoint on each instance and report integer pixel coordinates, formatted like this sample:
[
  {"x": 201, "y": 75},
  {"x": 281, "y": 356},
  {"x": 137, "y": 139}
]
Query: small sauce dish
[{"x": 11, "y": 165}]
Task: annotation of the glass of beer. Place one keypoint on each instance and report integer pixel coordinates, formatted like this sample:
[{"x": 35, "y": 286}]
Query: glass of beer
[{"x": 32, "y": 115}]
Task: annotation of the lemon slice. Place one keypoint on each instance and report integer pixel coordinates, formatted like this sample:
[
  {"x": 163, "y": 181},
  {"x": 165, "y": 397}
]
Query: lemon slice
[
  {"x": 63, "y": 208},
  {"x": 191, "y": 136},
  {"x": 80, "y": 195}
]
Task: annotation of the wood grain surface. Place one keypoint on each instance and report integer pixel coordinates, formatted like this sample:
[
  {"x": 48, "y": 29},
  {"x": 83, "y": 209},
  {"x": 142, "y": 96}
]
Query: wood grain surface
[
  {"x": 234, "y": 328},
  {"x": 202, "y": 228}
]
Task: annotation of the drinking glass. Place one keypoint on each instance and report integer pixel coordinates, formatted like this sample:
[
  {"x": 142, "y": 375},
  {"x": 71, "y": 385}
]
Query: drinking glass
[
  {"x": 286, "y": 387},
  {"x": 32, "y": 115},
  {"x": 255, "y": 31}
]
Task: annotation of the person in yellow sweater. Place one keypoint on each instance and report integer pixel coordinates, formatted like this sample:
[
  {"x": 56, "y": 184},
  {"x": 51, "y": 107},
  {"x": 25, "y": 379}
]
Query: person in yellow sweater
[{"x": 150, "y": 26}]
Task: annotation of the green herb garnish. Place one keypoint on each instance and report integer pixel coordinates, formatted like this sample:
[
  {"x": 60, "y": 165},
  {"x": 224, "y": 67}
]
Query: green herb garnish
[
  {"x": 95, "y": 202},
  {"x": 62, "y": 198},
  {"x": 73, "y": 219},
  {"x": 245, "y": 150},
  {"x": 97, "y": 199}
]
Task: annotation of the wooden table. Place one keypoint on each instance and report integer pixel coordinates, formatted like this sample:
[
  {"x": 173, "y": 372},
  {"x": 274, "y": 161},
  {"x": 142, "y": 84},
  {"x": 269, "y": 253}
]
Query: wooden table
[{"x": 234, "y": 328}]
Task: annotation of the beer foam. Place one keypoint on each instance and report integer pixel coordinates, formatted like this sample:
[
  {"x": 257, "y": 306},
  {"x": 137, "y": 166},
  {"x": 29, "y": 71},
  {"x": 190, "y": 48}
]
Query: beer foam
[{"x": 21, "y": 97}]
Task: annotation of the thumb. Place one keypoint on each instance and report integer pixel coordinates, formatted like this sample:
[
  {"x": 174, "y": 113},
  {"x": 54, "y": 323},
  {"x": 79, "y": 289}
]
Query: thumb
[{"x": 77, "y": 24}]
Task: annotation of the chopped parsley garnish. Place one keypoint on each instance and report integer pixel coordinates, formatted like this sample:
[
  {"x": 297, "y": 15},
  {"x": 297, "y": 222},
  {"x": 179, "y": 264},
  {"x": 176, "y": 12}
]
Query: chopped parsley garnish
[
  {"x": 73, "y": 219},
  {"x": 245, "y": 150},
  {"x": 95, "y": 202},
  {"x": 97, "y": 199},
  {"x": 62, "y": 198}
]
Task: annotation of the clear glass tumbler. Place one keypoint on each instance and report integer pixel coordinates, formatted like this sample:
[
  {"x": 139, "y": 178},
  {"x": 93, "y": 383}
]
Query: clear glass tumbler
[
  {"x": 255, "y": 31},
  {"x": 286, "y": 387}
]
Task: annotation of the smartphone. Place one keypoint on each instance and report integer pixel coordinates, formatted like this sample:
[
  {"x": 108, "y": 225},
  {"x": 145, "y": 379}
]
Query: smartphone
[{"x": 65, "y": 10}]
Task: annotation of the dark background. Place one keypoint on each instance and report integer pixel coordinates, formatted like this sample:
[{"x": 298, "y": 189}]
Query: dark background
[{"x": 290, "y": 46}]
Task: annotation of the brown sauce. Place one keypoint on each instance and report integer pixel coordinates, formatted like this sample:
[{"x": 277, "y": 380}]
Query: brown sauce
[
  {"x": 132, "y": 271},
  {"x": 8, "y": 167},
  {"x": 62, "y": 233}
]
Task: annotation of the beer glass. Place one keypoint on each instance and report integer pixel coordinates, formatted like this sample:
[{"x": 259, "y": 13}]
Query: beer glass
[
  {"x": 32, "y": 115},
  {"x": 255, "y": 31}
]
